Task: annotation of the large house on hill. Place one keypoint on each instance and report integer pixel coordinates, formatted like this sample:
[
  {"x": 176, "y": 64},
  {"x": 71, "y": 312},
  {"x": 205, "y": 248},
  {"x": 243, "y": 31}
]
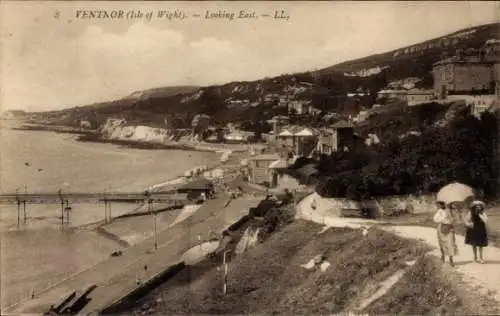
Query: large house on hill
[{"x": 472, "y": 74}]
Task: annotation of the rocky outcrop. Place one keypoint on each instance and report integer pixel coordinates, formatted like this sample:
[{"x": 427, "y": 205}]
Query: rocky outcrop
[{"x": 118, "y": 129}]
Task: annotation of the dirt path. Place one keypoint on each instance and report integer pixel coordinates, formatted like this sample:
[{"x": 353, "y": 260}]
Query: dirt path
[{"x": 482, "y": 277}]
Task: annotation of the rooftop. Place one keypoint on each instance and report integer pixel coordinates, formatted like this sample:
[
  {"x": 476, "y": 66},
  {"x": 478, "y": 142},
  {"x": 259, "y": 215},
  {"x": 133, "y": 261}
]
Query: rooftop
[
  {"x": 197, "y": 184},
  {"x": 299, "y": 131},
  {"x": 342, "y": 124},
  {"x": 266, "y": 157},
  {"x": 420, "y": 91},
  {"x": 278, "y": 164},
  {"x": 401, "y": 91},
  {"x": 469, "y": 60}
]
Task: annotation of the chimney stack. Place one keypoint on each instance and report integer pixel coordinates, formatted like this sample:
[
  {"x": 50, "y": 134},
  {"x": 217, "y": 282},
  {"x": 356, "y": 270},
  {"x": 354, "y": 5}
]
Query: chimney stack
[{"x": 277, "y": 126}]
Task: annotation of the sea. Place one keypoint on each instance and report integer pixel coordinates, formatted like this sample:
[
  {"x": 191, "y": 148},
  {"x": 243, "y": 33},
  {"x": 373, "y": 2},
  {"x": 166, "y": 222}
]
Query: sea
[{"x": 41, "y": 252}]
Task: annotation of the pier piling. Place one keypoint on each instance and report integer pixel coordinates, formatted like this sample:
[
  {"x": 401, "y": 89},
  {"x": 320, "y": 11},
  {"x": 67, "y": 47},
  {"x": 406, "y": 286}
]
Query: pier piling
[
  {"x": 68, "y": 209},
  {"x": 24, "y": 201},
  {"x": 24, "y": 207},
  {"x": 18, "y": 213},
  {"x": 62, "y": 213}
]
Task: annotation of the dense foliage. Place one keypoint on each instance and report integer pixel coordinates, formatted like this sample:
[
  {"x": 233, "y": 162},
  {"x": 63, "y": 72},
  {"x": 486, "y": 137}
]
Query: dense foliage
[{"x": 466, "y": 150}]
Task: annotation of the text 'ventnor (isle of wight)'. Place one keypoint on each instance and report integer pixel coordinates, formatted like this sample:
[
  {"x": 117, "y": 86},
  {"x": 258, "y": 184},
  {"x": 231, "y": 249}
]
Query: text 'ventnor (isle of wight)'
[{"x": 180, "y": 15}]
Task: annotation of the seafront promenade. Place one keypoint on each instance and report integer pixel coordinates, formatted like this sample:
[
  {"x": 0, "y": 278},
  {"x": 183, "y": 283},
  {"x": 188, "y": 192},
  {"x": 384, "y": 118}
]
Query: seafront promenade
[{"x": 118, "y": 276}]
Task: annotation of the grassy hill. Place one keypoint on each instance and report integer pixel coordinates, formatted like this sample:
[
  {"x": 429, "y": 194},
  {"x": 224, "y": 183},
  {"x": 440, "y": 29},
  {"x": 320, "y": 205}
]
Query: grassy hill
[
  {"x": 416, "y": 60},
  {"x": 269, "y": 278},
  {"x": 258, "y": 100}
]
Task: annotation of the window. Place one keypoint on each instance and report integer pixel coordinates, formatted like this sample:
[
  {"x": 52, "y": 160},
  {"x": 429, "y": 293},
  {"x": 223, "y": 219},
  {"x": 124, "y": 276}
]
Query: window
[{"x": 261, "y": 164}]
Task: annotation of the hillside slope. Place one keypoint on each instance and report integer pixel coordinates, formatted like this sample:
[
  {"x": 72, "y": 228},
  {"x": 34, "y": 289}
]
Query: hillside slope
[
  {"x": 256, "y": 101},
  {"x": 271, "y": 278},
  {"x": 416, "y": 60}
]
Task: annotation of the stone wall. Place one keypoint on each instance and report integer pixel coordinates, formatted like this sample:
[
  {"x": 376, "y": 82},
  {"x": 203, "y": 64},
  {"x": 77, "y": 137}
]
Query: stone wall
[
  {"x": 382, "y": 206},
  {"x": 421, "y": 204},
  {"x": 469, "y": 77}
]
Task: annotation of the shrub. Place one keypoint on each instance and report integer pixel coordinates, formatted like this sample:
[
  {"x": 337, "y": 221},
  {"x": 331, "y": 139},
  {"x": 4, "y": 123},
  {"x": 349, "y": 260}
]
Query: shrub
[{"x": 464, "y": 151}]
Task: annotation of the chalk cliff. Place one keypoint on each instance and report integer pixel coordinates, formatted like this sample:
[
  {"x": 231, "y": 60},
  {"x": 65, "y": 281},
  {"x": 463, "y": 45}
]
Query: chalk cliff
[{"x": 119, "y": 130}]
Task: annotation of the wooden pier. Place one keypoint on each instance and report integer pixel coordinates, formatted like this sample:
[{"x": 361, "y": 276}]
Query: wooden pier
[
  {"x": 22, "y": 200},
  {"x": 87, "y": 198}
]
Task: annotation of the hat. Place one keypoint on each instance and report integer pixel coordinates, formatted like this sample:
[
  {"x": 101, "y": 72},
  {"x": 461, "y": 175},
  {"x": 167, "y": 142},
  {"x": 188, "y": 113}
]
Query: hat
[{"x": 477, "y": 203}]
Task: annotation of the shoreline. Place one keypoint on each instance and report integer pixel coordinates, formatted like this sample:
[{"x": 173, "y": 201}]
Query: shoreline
[
  {"x": 93, "y": 136},
  {"x": 87, "y": 225},
  {"x": 96, "y": 138},
  {"x": 223, "y": 154},
  {"x": 51, "y": 128}
]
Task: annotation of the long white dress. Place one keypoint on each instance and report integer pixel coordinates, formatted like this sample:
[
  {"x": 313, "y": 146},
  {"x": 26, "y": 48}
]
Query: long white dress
[{"x": 446, "y": 232}]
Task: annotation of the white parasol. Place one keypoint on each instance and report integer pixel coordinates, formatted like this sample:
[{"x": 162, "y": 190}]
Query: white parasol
[{"x": 454, "y": 192}]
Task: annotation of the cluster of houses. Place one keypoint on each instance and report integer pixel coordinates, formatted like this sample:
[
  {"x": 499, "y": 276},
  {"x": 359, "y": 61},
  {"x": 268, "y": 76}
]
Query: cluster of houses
[
  {"x": 470, "y": 75},
  {"x": 411, "y": 96},
  {"x": 291, "y": 142}
]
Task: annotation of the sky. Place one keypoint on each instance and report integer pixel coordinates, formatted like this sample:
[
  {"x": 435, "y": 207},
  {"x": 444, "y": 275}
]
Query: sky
[{"x": 51, "y": 59}]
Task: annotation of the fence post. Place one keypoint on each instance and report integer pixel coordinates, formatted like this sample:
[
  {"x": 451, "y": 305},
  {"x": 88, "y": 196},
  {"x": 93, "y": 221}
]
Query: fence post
[
  {"x": 155, "y": 232},
  {"x": 224, "y": 262}
]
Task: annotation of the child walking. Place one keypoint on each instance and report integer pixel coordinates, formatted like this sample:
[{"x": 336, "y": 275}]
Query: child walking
[{"x": 476, "y": 234}]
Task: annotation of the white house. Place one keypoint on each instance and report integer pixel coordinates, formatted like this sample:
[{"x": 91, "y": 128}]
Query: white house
[{"x": 301, "y": 107}]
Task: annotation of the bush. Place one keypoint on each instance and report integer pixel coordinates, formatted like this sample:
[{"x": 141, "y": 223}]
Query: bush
[{"x": 464, "y": 151}]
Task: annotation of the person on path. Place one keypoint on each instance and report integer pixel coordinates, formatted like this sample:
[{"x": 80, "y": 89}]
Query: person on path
[
  {"x": 446, "y": 218},
  {"x": 476, "y": 234}
]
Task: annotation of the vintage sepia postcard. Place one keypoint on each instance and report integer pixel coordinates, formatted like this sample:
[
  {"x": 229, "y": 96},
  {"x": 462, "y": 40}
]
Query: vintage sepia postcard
[{"x": 257, "y": 157}]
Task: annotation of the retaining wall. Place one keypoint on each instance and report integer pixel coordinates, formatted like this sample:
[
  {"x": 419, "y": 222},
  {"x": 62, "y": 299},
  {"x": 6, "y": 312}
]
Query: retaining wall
[{"x": 127, "y": 302}]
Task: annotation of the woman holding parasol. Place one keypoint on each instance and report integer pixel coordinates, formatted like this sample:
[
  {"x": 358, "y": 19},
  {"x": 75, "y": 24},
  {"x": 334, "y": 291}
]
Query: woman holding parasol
[{"x": 448, "y": 216}]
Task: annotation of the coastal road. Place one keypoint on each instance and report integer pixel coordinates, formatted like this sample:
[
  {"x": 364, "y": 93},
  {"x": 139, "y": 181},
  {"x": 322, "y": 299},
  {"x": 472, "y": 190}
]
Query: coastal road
[{"x": 117, "y": 276}]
